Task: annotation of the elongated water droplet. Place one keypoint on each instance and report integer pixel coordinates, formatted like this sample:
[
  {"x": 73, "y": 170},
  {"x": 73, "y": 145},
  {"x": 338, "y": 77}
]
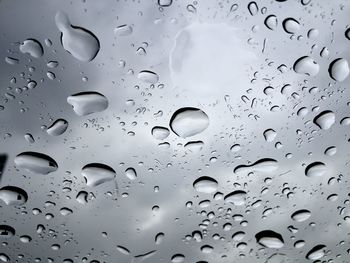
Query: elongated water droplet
[
  {"x": 187, "y": 122},
  {"x": 79, "y": 42},
  {"x": 97, "y": 173},
  {"x": 123, "y": 30},
  {"x": 36, "y": 162},
  {"x": 58, "y": 127},
  {"x": 253, "y": 8},
  {"x": 194, "y": 146},
  {"x": 265, "y": 165},
  {"x": 85, "y": 103},
  {"x": 205, "y": 184},
  {"x": 32, "y": 47}
]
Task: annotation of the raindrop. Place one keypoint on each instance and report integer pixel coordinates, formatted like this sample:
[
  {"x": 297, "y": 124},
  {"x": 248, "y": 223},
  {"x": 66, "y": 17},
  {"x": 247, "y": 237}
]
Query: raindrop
[
  {"x": 316, "y": 169},
  {"x": 165, "y": 3},
  {"x": 269, "y": 135},
  {"x": 148, "y": 76},
  {"x": 6, "y": 231},
  {"x": 306, "y": 65},
  {"x": 32, "y": 47},
  {"x": 339, "y": 69},
  {"x": 325, "y": 119},
  {"x": 58, "y": 127},
  {"x": 290, "y": 25},
  {"x": 301, "y": 215},
  {"x": 316, "y": 252},
  {"x": 131, "y": 173},
  {"x": 160, "y": 133},
  {"x": 85, "y": 103},
  {"x": 236, "y": 197},
  {"x": 187, "y": 122},
  {"x": 12, "y": 195},
  {"x": 205, "y": 184},
  {"x": 271, "y": 22},
  {"x": 269, "y": 239},
  {"x": 253, "y": 8},
  {"x": 36, "y": 162},
  {"x": 79, "y": 42},
  {"x": 265, "y": 165},
  {"x": 97, "y": 173},
  {"x": 123, "y": 30}
]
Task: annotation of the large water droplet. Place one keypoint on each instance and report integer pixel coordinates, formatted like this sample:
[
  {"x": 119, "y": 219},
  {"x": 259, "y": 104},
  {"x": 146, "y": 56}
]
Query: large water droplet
[
  {"x": 269, "y": 239},
  {"x": 205, "y": 184},
  {"x": 6, "y": 231},
  {"x": 32, "y": 47},
  {"x": 12, "y": 195},
  {"x": 339, "y": 69},
  {"x": 187, "y": 122},
  {"x": 315, "y": 169},
  {"x": 316, "y": 252},
  {"x": 236, "y": 197},
  {"x": 131, "y": 173},
  {"x": 97, "y": 173},
  {"x": 306, "y": 65},
  {"x": 85, "y": 103},
  {"x": 79, "y": 42},
  {"x": 58, "y": 127},
  {"x": 325, "y": 119},
  {"x": 253, "y": 8},
  {"x": 36, "y": 162},
  {"x": 301, "y": 215}
]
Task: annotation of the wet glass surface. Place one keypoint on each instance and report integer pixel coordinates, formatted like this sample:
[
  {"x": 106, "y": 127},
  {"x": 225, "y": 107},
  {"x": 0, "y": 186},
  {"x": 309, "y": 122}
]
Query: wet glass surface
[{"x": 174, "y": 131}]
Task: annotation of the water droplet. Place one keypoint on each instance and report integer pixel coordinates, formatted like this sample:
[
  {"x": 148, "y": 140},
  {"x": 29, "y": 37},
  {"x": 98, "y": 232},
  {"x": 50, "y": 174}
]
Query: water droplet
[
  {"x": 11, "y": 61},
  {"x": 165, "y": 3},
  {"x": 316, "y": 252},
  {"x": 4, "y": 258},
  {"x": 85, "y": 103},
  {"x": 25, "y": 239},
  {"x": 290, "y": 25},
  {"x": 269, "y": 135},
  {"x": 205, "y": 184},
  {"x": 36, "y": 162},
  {"x": 29, "y": 138},
  {"x": 236, "y": 197},
  {"x": 97, "y": 173},
  {"x": 330, "y": 151},
  {"x": 148, "y": 76},
  {"x": 32, "y": 47},
  {"x": 12, "y": 195},
  {"x": 315, "y": 169},
  {"x": 306, "y": 65},
  {"x": 82, "y": 197},
  {"x": 269, "y": 239},
  {"x": 159, "y": 238},
  {"x": 325, "y": 119},
  {"x": 265, "y": 165},
  {"x": 131, "y": 173},
  {"x": 58, "y": 127},
  {"x": 194, "y": 146},
  {"x": 187, "y": 122},
  {"x": 339, "y": 69},
  {"x": 253, "y": 8},
  {"x": 79, "y": 42},
  {"x": 178, "y": 258},
  {"x": 271, "y": 22},
  {"x": 123, "y": 250},
  {"x": 123, "y": 30},
  {"x": 301, "y": 215},
  {"x": 6, "y": 231},
  {"x": 160, "y": 133},
  {"x": 65, "y": 211}
]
